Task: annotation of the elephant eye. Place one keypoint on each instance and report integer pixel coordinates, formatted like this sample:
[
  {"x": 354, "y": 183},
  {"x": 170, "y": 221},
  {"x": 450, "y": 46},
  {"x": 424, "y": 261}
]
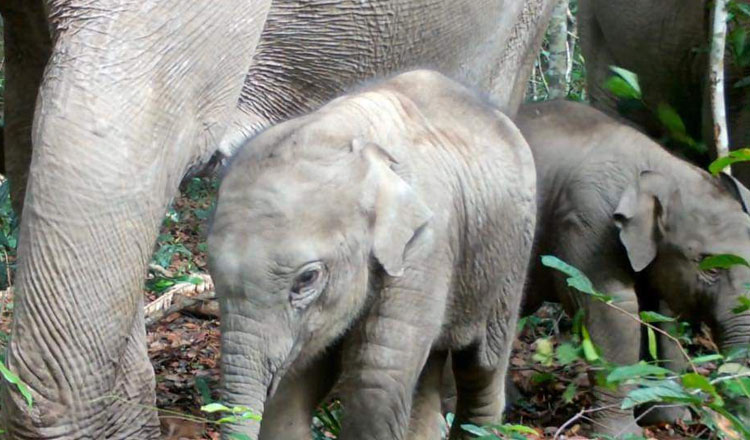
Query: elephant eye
[
  {"x": 305, "y": 279},
  {"x": 308, "y": 284}
]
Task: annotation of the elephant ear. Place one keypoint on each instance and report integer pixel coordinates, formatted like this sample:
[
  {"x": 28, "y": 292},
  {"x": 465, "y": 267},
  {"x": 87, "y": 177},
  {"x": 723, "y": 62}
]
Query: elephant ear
[
  {"x": 737, "y": 190},
  {"x": 397, "y": 209},
  {"x": 641, "y": 216}
]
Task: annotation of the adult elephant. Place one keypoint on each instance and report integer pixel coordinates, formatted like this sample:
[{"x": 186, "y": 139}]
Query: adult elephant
[
  {"x": 133, "y": 94},
  {"x": 666, "y": 43}
]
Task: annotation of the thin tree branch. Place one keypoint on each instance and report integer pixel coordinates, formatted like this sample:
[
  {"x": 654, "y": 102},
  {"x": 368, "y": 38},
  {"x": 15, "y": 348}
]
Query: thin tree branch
[{"x": 716, "y": 78}]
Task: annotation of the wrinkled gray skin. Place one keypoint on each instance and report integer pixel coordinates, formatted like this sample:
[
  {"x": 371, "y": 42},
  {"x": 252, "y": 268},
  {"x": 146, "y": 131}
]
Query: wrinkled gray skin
[
  {"x": 134, "y": 94},
  {"x": 665, "y": 42},
  {"x": 637, "y": 221},
  {"x": 400, "y": 217}
]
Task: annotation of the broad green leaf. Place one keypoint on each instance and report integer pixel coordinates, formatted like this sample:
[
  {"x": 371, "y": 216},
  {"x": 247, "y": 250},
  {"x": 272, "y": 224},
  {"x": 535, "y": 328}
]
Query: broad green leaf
[
  {"x": 722, "y": 261},
  {"x": 636, "y": 371},
  {"x": 544, "y": 352},
  {"x": 239, "y": 437},
  {"x": 215, "y": 407},
  {"x": 570, "y": 393},
  {"x": 621, "y": 89},
  {"x": 521, "y": 429},
  {"x": 652, "y": 317},
  {"x": 15, "y": 380},
  {"x": 670, "y": 119},
  {"x": 741, "y": 155},
  {"x": 744, "y": 305},
  {"x": 652, "y": 343},
  {"x": 733, "y": 368},
  {"x": 476, "y": 430},
  {"x": 707, "y": 358},
  {"x": 742, "y": 8},
  {"x": 249, "y": 415},
  {"x": 589, "y": 351},
  {"x": 630, "y": 78},
  {"x": 576, "y": 278},
  {"x": 661, "y": 391},
  {"x": 567, "y": 353},
  {"x": 736, "y": 387},
  {"x": 737, "y": 40},
  {"x": 698, "y": 382}
]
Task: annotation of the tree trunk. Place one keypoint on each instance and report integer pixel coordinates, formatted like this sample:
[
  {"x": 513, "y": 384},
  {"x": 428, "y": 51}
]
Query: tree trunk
[
  {"x": 716, "y": 78},
  {"x": 557, "y": 73}
]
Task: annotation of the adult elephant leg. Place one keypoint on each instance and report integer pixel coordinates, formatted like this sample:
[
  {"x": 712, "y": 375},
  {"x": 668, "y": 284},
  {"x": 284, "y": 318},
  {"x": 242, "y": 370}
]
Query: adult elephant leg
[
  {"x": 27, "y": 48},
  {"x": 130, "y": 97},
  {"x": 426, "y": 419},
  {"x": 289, "y": 412}
]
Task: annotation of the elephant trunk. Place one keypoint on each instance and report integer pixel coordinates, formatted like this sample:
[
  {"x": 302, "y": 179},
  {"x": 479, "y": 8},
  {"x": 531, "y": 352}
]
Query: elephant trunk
[
  {"x": 735, "y": 331},
  {"x": 248, "y": 369},
  {"x": 131, "y": 96}
]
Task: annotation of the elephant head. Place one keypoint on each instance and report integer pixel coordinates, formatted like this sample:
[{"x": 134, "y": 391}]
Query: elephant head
[
  {"x": 303, "y": 221},
  {"x": 668, "y": 229}
]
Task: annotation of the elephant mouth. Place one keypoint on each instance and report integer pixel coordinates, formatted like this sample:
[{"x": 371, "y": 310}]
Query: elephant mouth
[{"x": 282, "y": 370}]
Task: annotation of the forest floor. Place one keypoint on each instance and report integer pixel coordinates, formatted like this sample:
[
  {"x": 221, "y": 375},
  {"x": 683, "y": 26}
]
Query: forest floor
[{"x": 184, "y": 349}]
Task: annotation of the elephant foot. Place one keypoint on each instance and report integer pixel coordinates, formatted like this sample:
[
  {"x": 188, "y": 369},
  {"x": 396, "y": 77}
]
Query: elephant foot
[
  {"x": 614, "y": 424},
  {"x": 654, "y": 415}
]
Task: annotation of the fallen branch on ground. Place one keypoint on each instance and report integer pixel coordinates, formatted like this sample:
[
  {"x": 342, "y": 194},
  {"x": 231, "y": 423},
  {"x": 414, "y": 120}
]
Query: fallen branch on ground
[{"x": 196, "y": 298}]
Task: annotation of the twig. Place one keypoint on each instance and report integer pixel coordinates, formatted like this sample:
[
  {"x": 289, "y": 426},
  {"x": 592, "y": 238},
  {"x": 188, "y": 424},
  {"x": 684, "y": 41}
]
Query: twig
[
  {"x": 716, "y": 78},
  {"x": 726, "y": 378},
  {"x": 658, "y": 330},
  {"x": 179, "y": 297},
  {"x": 579, "y": 415}
]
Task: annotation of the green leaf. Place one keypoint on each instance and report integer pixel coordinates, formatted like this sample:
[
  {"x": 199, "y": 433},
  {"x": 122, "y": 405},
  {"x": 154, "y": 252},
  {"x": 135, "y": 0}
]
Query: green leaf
[
  {"x": 741, "y": 155},
  {"x": 540, "y": 378},
  {"x": 742, "y": 8},
  {"x": 620, "y": 88},
  {"x": 249, "y": 415},
  {"x": 722, "y": 261},
  {"x": 239, "y": 437},
  {"x": 698, "y": 382},
  {"x": 661, "y": 391},
  {"x": 737, "y": 40},
  {"x": 651, "y": 317},
  {"x": 670, "y": 119},
  {"x": 570, "y": 393},
  {"x": 708, "y": 358},
  {"x": 215, "y": 407},
  {"x": 22, "y": 387},
  {"x": 476, "y": 430},
  {"x": 589, "y": 351},
  {"x": 630, "y": 78},
  {"x": 576, "y": 278},
  {"x": 544, "y": 352},
  {"x": 652, "y": 343},
  {"x": 567, "y": 353},
  {"x": 636, "y": 371}
]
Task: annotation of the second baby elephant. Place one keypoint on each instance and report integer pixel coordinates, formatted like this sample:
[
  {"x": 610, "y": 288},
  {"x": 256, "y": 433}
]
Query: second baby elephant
[
  {"x": 638, "y": 221},
  {"x": 394, "y": 224}
]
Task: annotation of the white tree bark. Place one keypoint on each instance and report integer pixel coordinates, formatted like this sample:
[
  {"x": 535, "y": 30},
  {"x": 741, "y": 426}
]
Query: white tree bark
[
  {"x": 557, "y": 73},
  {"x": 716, "y": 78}
]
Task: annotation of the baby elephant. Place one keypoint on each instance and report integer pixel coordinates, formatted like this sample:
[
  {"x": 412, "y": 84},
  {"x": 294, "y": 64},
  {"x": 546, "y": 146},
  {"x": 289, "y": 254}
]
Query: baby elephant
[
  {"x": 638, "y": 221},
  {"x": 387, "y": 228}
]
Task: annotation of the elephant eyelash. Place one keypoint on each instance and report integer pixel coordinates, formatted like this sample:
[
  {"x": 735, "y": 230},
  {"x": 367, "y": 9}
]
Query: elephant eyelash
[{"x": 710, "y": 275}]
